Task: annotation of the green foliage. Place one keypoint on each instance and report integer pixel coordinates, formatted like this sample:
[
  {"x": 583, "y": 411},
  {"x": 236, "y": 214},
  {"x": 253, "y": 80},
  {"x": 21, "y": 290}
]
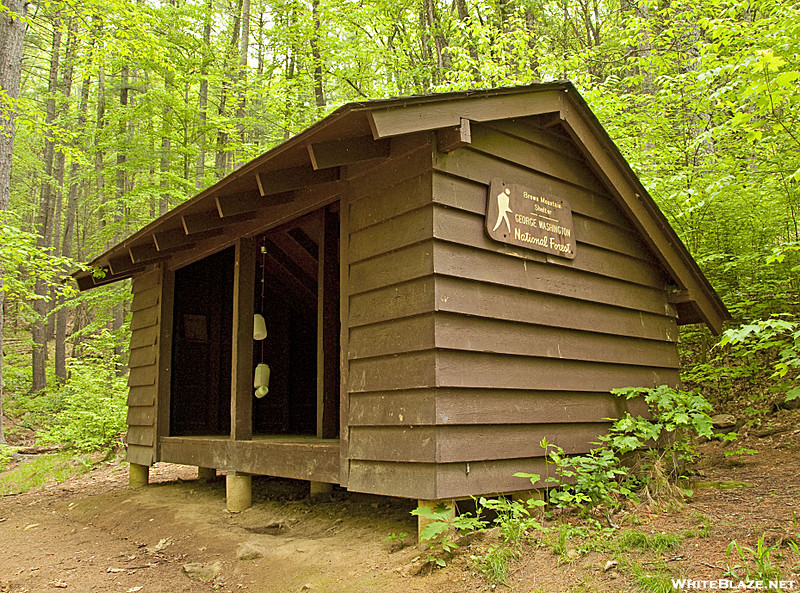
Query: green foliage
[
  {"x": 443, "y": 522},
  {"x": 746, "y": 563},
  {"x": 92, "y": 407},
  {"x": 42, "y": 469},
  {"x": 493, "y": 565},
  {"x": 5, "y": 456},
  {"x": 779, "y": 338},
  {"x": 634, "y": 539},
  {"x": 600, "y": 479}
]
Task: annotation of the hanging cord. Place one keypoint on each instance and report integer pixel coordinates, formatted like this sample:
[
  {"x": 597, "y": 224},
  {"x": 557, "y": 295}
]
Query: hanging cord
[{"x": 263, "y": 277}]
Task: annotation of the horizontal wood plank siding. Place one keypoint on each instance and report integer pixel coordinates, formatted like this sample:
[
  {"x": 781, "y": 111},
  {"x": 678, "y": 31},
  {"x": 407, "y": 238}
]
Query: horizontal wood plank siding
[
  {"x": 390, "y": 292},
  {"x": 143, "y": 363},
  {"x": 528, "y": 345},
  {"x": 453, "y": 406}
]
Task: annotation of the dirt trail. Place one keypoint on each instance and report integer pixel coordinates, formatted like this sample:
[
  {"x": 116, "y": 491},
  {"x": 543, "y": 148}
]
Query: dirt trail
[{"x": 93, "y": 534}]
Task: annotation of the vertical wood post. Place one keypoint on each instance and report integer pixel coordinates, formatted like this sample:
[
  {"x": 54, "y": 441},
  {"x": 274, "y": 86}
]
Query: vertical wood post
[
  {"x": 327, "y": 327},
  {"x": 244, "y": 277},
  {"x": 344, "y": 336},
  {"x": 206, "y": 474}
]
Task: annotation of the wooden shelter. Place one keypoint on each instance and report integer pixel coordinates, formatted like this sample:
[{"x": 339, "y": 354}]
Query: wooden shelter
[{"x": 444, "y": 279}]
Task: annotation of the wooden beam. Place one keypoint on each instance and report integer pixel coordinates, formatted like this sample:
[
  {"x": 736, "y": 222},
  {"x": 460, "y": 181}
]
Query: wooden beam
[
  {"x": 548, "y": 120},
  {"x": 396, "y": 121},
  {"x": 202, "y": 222},
  {"x": 172, "y": 239},
  {"x": 249, "y": 202},
  {"x": 83, "y": 283},
  {"x": 289, "y": 280},
  {"x": 296, "y": 252},
  {"x": 140, "y": 254},
  {"x": 449, "y": 139},
  {"x": 680, "y": 296},
  {"x": 283, "y": 180},
  {"x": 345, "y": 151},
  {"x": 344, "y": 340},
  {"x": 244, "y": 277},
  {"x": 122, "y": 264}
]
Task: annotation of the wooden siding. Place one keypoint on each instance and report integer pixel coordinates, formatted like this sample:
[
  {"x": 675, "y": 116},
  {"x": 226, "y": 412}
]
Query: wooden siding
[
  {"x": 389, "y": 291},
  {"x": 143, "y": 363},
  {"x": 528, "y": 345},
  {"x": 463, "y": 352}
]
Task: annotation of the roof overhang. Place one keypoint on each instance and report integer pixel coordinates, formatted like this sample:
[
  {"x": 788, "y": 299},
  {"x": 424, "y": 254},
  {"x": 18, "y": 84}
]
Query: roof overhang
[{"x": 303, "y": 173}]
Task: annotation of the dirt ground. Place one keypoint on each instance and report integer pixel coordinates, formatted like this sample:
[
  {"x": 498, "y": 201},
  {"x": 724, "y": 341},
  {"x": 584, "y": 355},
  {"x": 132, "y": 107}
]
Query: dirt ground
[{"x": 93, "y": 534}]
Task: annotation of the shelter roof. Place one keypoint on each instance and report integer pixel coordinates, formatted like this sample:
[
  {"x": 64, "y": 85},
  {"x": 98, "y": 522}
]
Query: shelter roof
[{"x": 361, "y": 131}]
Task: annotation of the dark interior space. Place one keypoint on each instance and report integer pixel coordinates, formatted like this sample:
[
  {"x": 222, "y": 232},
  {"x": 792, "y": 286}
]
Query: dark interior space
[
  {"x": 287, "y": 292},
  {"x": 201, "y": 351}
]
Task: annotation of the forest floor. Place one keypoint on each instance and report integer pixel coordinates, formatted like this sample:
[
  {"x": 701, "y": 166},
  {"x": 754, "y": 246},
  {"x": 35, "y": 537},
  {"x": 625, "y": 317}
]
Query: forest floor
[{"x": 93, "y": 534}]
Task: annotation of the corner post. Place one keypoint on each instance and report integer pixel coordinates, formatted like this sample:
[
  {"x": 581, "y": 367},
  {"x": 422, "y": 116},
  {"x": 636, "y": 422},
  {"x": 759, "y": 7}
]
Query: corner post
[
  {"x": 244, "y": 277},
  {"x": 138, "y": 475}
]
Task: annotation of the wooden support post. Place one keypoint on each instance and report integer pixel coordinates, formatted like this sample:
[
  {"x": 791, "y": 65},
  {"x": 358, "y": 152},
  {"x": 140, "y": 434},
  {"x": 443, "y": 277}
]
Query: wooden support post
[
  {"x": 328, "y": 327},
  {"x": 244, "y": 277},
  {"x": 320, "y": 490},
  {"x": 238, "y": 491},
  {"x": 422, "y": 522},
  {"x": 206, "y": 474},
  {"x": 138, "y": 475}
]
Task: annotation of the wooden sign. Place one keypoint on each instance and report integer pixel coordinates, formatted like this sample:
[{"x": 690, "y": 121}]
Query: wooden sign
[{"x": 529, "y": 218}]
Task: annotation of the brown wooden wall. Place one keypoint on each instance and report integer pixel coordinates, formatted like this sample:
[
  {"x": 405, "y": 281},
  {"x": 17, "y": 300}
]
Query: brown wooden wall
[
  {"x": 464, "y": 353},
  {"x": 143, "y": 377},
  {"x": 389, "y": 290}
]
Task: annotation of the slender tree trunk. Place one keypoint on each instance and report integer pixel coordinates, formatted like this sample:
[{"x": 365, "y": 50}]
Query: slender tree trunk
[
  {"x": 60, "y": 318},
  {"x": 319, "y": 91},
  {"x": 466, "y": 21},
  {"x": 122, "y": 158},
  {"x": 222, "y": 159},
  {"x": 44, "y": 222},
  {"x": 203, "y": 95},
  {"x": 12, "y": 33},
  {"x": 244, "y": 50},
  {"x": 99, "y": 155}
]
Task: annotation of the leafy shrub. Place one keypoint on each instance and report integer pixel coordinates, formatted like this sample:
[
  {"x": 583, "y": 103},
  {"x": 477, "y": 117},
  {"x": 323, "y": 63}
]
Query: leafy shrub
[
  {"x": 92, "y": 407},
  {"x": 5, "y": 456},
  {"x": 779, "y": 337},
  {"x": 600, "y": 479}
]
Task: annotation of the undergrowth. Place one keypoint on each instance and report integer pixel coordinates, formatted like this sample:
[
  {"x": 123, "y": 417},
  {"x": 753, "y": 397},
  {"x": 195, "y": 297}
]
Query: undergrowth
[
  {"x": 638, "y": 460},
  {"x": 57, "y": 467}
]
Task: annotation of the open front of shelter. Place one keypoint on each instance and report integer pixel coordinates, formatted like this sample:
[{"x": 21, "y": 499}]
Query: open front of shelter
[{"x": 404, "y": 299}]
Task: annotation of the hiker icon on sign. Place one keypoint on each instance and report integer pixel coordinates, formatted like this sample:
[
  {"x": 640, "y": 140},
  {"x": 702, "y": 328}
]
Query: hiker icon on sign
[{"x": 502, "y": 209}]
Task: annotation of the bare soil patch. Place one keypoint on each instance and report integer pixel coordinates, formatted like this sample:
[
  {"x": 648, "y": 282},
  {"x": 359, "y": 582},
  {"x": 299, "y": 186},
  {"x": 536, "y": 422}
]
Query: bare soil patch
[{"x": 93, "y": 534}]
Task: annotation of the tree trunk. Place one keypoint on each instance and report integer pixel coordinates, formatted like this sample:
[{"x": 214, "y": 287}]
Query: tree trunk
[
  {"x": 44, "y": 222},
  {"x": 244, "y": 49},
  {"x": 222, "y": 160},
  {"x": 203, "y": 95},
  {"x": 99, "y": 155},
  {"x": 12, "y": 33},
  {"x": 466, "y": 21},
  {"x": 60, "y": 318},
  {"x": 319, "y": 91}
]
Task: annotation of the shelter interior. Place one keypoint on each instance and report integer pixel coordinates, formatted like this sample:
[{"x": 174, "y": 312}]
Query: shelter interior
[{"x": 296, "y": 290}]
